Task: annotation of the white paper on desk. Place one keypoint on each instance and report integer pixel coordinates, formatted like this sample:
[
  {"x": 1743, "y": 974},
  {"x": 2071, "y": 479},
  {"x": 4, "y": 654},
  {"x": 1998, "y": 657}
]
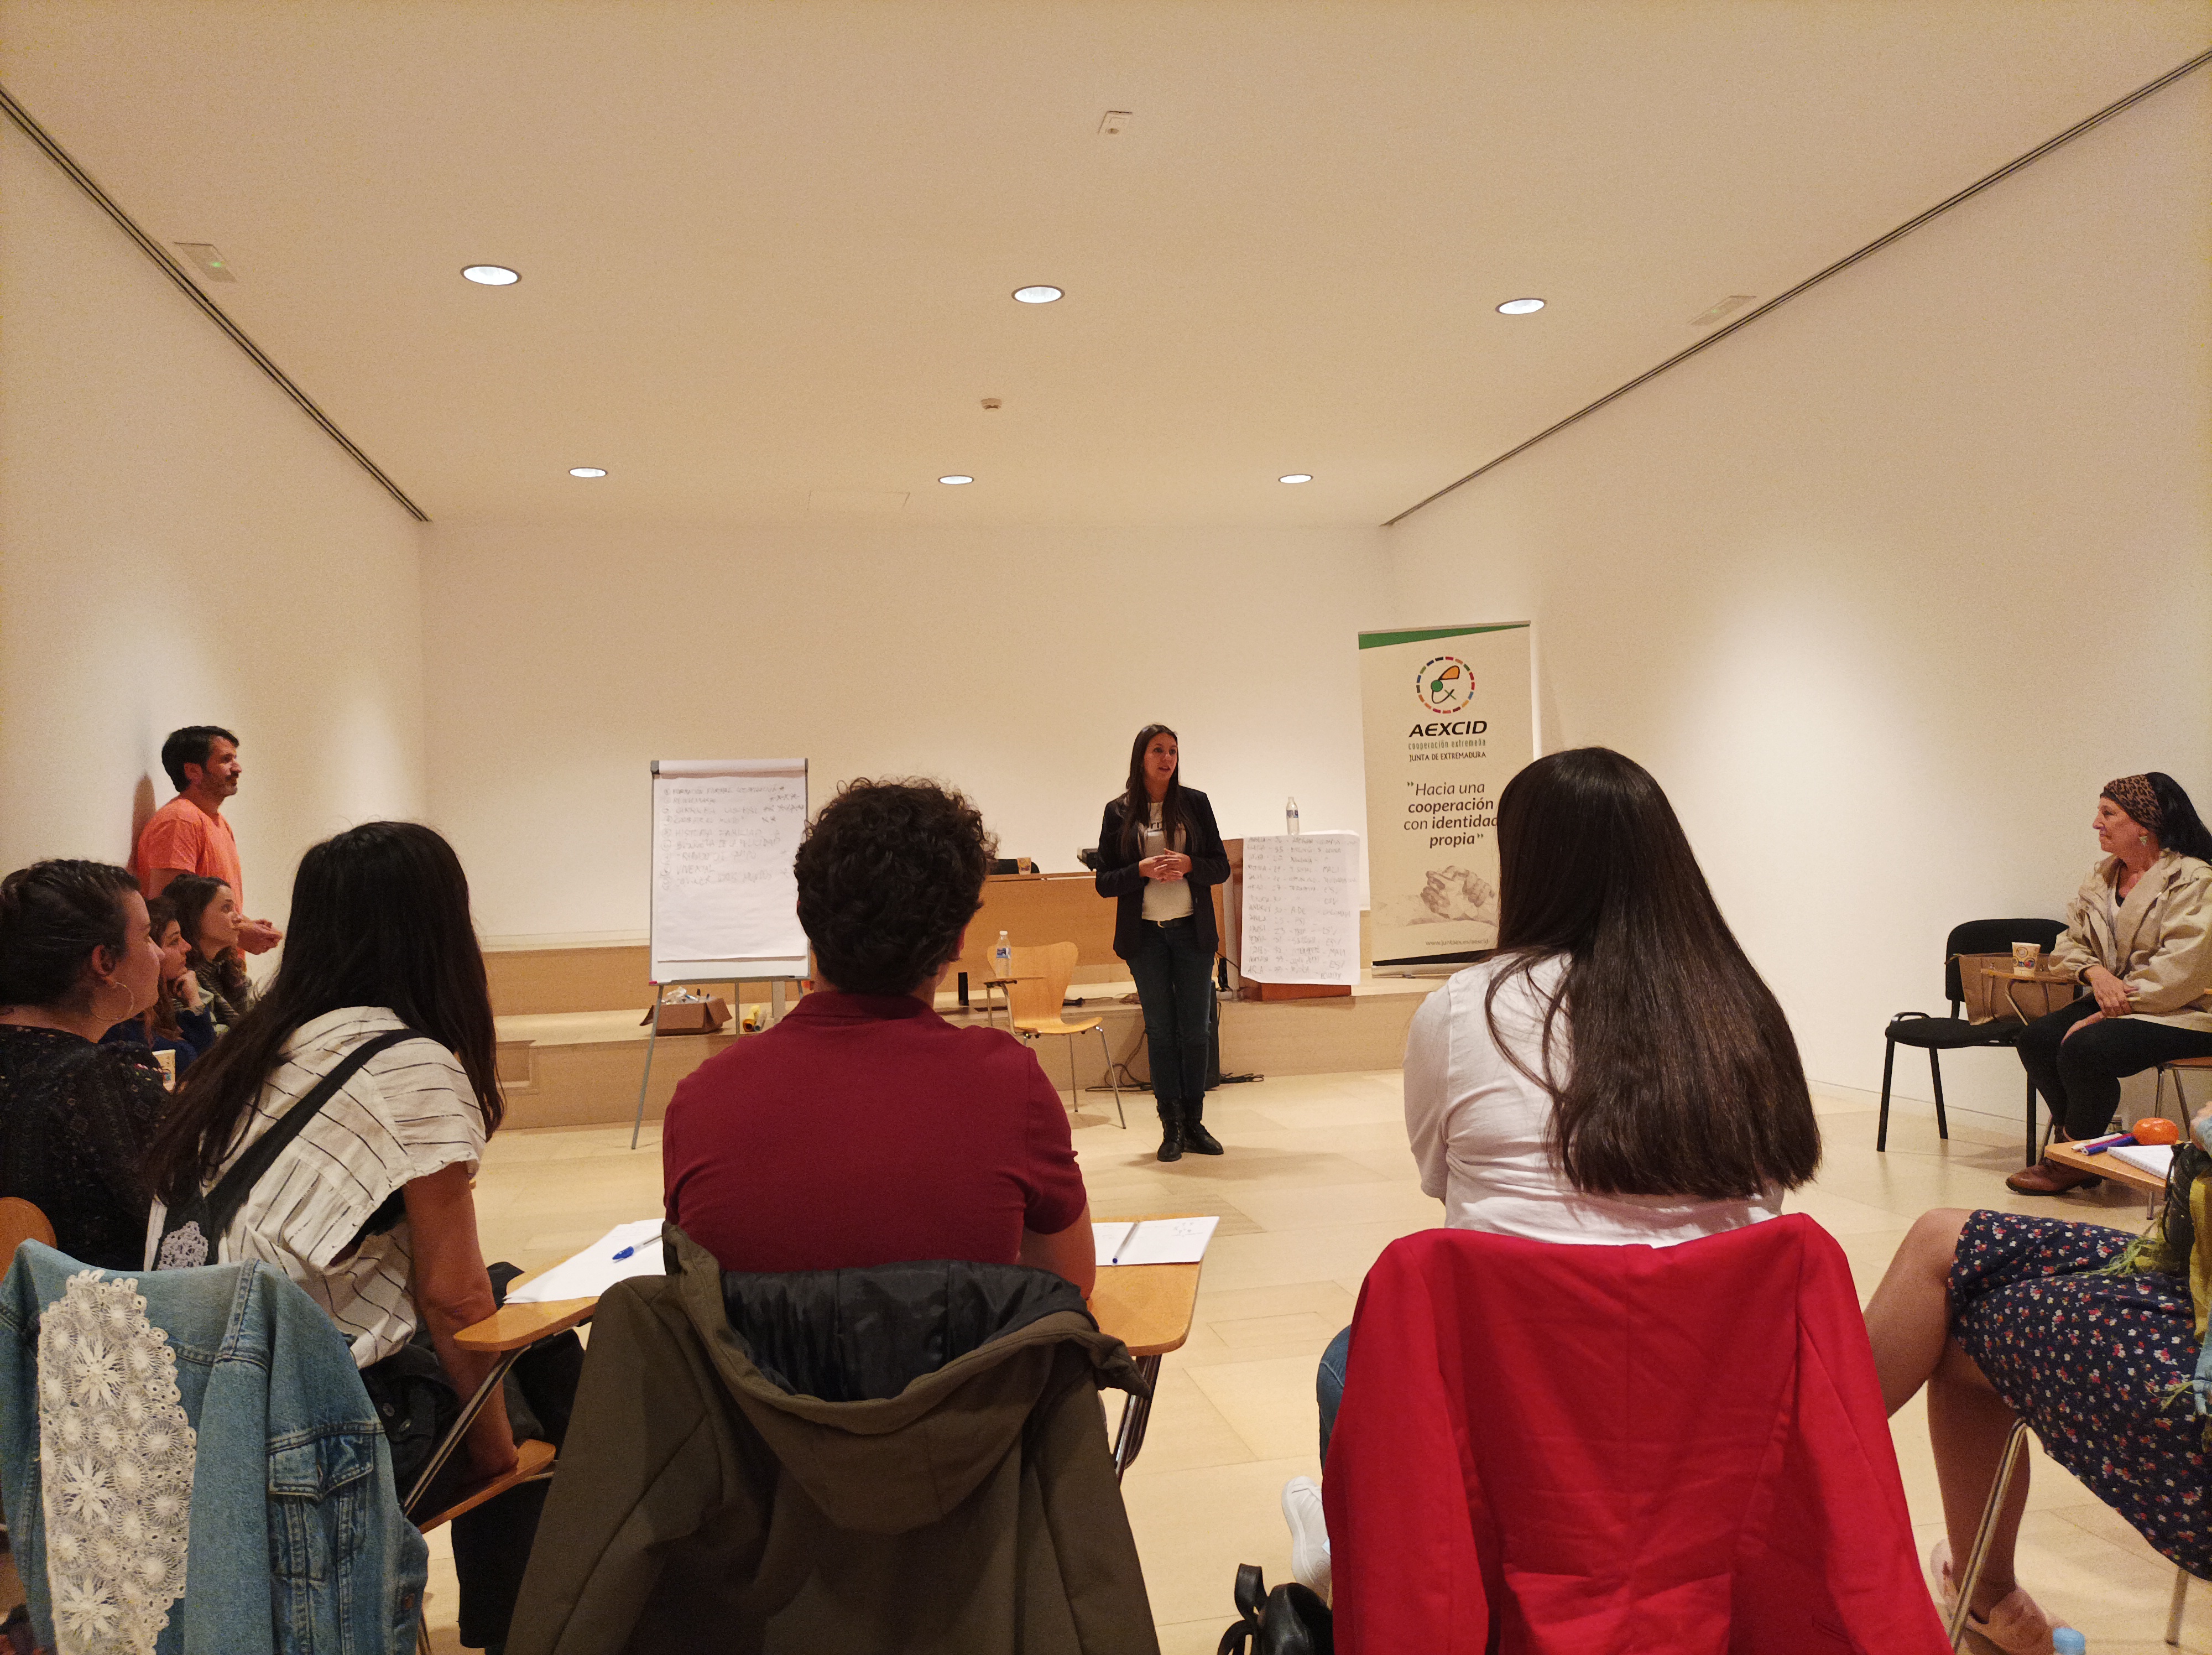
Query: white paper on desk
[
  {"x": 2156, "y": 1158},
  {"x": 595, "y": 1269},
  {"x": 1153, "y": 1241}
]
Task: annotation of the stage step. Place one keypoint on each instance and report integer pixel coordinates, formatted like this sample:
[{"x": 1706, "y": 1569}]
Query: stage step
[{"x": 582, "y": 1068}]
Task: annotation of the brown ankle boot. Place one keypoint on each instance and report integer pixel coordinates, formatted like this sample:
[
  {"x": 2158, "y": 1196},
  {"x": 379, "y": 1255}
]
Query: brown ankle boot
[{"x": 2047, "y": 1177}]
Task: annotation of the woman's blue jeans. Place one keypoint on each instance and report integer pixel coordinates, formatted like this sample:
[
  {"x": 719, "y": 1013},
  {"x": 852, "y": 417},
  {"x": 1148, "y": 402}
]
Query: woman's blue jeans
[
  {"x": 1328, "y": 1385},
  {"x": 1175, "y": 986}
]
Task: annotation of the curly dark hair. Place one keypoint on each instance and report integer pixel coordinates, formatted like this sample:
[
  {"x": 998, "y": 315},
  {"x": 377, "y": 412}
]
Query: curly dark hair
[{"x": 890, "y": 873}]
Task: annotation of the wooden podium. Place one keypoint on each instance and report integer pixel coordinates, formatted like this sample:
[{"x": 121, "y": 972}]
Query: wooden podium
[{"x": 1232, "y": 943}]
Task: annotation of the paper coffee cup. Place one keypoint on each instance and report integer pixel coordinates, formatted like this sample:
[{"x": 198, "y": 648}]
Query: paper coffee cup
[
  {"x": 167, "y": 1060},
  {"x": 2026, "y": 955}
]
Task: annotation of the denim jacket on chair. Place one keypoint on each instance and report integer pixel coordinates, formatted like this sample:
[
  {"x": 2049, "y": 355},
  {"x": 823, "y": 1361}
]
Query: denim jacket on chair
[{"x": 190, "y": 1466}]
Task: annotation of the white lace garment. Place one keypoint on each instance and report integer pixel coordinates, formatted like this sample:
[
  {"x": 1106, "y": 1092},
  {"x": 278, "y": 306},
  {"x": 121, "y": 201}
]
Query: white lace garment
[{"x": 115, "y": 1455}]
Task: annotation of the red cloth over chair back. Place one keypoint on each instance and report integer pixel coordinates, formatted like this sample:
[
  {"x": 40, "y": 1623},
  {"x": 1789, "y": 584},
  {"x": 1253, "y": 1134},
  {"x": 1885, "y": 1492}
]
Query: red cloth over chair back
[{"x": 1551, "y": 1450}]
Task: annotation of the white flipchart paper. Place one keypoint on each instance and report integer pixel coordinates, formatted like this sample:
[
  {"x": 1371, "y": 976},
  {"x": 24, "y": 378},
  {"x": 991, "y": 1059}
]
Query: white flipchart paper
[
  {"x": 723, "y": 835},
  {"x": 1300, "y": 908},
  {"x": 592, "y": 1271}
]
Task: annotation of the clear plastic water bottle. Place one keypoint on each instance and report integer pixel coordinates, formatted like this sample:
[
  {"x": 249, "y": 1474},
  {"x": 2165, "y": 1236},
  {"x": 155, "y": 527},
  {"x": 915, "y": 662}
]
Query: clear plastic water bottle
[
  {"x": 2064, "y": 1641},
  {"x": 1290, "y": 816},
  {"x": 1002, "y": 959}
]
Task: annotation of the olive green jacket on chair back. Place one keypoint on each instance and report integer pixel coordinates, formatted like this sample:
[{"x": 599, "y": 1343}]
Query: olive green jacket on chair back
[{"x": 911, "y": 1459}]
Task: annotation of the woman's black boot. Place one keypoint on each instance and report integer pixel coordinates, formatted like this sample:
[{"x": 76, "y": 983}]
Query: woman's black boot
[
  {"x": 1170, "y": 1132},
  {"x": 1196, "y": 1138}
]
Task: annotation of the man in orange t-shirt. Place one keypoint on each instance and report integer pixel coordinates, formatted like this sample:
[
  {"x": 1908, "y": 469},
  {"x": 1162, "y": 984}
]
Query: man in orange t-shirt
[{"x": 188, "y": 834}]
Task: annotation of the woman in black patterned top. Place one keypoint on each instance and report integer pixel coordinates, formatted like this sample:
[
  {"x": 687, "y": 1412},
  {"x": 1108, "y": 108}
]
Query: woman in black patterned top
[{"x": 76, "y": 1116}]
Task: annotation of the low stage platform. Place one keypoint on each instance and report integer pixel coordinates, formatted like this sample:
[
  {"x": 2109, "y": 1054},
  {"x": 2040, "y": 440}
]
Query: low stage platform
[{"x": 571, "y": 1046}]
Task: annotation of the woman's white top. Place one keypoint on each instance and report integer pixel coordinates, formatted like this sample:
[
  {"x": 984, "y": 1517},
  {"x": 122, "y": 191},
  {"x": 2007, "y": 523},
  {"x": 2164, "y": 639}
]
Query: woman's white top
[
  {"x": 1480, "y": 1128},
  {"x": 405, "y": 1114},
  {"x": 1164, "y": 899}
]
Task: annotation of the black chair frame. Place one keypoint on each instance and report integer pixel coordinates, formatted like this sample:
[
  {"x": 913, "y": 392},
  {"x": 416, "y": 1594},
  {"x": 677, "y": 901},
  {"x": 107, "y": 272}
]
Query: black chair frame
[{"x": 1954, "y": 1033}]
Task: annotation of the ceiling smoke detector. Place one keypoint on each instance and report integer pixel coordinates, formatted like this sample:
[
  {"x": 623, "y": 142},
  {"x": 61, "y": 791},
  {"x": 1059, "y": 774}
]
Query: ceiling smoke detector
[
  {"x": 992, "y": 403},
  {"x": 1712, "y": 313},
  {"x": 207, "y": 259}
]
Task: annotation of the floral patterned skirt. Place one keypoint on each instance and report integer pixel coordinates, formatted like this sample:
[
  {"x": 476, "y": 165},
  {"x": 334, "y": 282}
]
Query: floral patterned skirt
[{"x": 2092, "y": 1363}]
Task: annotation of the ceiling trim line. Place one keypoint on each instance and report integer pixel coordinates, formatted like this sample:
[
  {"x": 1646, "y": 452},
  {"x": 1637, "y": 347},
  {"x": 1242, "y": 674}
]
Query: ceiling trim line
[
  {"x": 1818, "y": 277},
  {"x": 176, "y": 273}
]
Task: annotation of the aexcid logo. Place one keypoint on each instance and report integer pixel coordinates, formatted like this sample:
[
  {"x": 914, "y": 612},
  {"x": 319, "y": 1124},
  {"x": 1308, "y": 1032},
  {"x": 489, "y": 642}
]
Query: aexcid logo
[{"x": 1445, "y": 684}]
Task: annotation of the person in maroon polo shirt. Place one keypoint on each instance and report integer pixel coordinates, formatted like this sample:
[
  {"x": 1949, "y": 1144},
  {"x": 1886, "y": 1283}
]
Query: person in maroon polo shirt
[{"x": 863, "y": 1129}]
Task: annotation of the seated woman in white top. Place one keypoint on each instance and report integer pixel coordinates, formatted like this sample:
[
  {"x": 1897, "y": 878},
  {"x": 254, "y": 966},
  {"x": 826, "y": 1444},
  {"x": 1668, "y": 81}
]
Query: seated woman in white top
[
  {"x": 367, "y": 1205},
  {"x": 1616, "y": 1073}
]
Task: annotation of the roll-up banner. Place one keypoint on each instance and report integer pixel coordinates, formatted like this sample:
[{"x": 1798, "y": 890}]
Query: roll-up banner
[{"x": 1451, "y": 716}]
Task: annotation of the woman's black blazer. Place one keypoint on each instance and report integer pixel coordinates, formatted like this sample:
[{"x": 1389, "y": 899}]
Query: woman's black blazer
[{"x": 1118, "y": 876}]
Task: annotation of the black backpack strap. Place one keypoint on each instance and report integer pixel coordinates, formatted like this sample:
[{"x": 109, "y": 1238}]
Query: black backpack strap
[{"x": 230, "y": 1194}]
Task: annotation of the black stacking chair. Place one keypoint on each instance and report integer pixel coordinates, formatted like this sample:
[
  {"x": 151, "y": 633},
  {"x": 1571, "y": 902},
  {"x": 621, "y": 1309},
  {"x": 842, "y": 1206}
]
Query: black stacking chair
[{"x": 1937, "y": 1035}]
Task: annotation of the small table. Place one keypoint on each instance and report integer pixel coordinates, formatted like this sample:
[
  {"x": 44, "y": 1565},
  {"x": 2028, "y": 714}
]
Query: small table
[
  {"x": 1148, "y": 1307},
  {"x": 2107, "y": 1165}
]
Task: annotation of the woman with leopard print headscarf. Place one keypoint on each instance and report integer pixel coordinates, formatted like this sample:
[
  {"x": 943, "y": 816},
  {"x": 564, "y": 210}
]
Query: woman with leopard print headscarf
[{"x": 2139, "y": 937}]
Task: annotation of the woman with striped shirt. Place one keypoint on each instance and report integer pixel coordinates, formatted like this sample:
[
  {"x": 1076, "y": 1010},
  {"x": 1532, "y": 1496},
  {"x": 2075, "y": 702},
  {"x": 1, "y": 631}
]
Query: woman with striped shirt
[{"x": 367, "y": 1208}]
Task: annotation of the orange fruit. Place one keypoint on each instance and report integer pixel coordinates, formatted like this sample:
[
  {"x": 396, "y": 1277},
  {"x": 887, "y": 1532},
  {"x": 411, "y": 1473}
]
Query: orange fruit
[{"x": 2156, "y": 1129}]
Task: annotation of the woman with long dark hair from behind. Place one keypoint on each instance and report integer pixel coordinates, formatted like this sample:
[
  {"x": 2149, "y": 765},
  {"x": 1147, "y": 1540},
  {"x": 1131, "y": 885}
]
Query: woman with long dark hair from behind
[
  {"x": 1616, "y": 1073},
  {"x": 76, "y": 957},
  {"x": 1160, "y": 856},
  {"x": 368, "y": 1208}
]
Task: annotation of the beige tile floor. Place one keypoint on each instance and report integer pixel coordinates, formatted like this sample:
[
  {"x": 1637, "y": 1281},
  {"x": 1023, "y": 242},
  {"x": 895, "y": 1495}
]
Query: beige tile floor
[{"x": 1316, "y": 1181}]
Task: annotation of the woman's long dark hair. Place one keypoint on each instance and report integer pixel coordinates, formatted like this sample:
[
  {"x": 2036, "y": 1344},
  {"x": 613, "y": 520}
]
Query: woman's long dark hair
[
  {"x": 189, "y": 895},
  {"x": 379, "y": 917},
  {"x": 1137, "y": 798},
  {"x": 2180, "y": 828},
  {"x": 1683, "y": 1078}
]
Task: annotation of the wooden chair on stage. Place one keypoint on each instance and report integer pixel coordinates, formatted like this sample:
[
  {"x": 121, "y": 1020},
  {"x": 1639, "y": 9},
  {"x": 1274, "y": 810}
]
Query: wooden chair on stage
[{"x": 1036, "y": 992}]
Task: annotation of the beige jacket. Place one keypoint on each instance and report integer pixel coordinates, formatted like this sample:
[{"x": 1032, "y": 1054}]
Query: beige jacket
[{"x": 2161, "y": 947}]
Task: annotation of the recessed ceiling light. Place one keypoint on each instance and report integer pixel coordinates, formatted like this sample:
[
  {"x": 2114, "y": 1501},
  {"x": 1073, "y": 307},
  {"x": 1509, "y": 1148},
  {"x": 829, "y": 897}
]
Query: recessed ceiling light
[
  {"x": 1040, "y": 294},
  {"x": 491, "y": 275},
  {"x": 586, "y": 470},
  {"x": 955, "y": 480},
  {"x": 1520, "y": 307},
  {"x": 1296, "y": 477}
]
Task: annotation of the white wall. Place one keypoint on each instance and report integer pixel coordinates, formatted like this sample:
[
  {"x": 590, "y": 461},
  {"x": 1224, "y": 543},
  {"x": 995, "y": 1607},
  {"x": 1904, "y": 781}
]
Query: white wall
[
  {"x": 1016, "y": 664},
  {"x": 1884, "y": 587},
  {"x": 178, "y": 544}
]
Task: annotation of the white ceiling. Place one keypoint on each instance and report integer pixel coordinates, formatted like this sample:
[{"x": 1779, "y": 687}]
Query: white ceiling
[{"x": 767, "y": 249}]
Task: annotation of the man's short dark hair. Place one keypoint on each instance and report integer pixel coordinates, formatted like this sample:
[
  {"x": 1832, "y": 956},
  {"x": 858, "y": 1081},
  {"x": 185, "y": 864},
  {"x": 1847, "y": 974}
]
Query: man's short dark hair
[
  {"x": 889, "y": 875},
  {"x": 190, "y": 746}
]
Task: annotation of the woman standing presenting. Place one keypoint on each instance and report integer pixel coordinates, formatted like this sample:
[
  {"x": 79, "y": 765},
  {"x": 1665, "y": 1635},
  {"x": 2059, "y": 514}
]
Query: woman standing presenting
[{"x": 1159, "y": 857}]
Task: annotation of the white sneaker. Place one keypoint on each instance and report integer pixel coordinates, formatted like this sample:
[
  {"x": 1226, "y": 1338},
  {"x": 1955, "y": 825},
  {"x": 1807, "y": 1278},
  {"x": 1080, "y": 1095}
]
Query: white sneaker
[{"x": 1308, "y": 1534}]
